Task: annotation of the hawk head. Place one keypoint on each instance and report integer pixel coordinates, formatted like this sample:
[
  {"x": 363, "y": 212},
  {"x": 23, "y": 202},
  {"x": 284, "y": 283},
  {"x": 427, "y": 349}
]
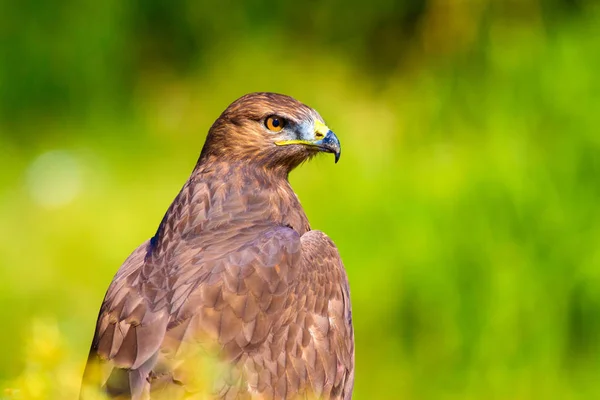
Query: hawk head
[{"x": 270, "y": 130}]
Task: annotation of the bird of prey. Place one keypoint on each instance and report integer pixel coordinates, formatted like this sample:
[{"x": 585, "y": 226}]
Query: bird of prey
[{"x": 235, "y": 297}]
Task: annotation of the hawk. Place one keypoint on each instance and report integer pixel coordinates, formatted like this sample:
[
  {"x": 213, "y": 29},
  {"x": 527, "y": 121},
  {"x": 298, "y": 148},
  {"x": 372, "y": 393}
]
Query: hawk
[{"x": 235, "y": 297}]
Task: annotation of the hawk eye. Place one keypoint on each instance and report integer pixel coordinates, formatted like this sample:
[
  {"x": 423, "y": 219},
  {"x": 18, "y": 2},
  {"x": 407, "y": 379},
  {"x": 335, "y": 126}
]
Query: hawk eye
[{"x": 274, "y": 123}]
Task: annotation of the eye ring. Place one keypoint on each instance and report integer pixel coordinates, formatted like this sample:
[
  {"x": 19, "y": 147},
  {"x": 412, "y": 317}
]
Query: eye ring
[{"x": 275, "y": 123}]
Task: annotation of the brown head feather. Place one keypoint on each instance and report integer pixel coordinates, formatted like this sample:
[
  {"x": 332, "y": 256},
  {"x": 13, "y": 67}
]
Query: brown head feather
[{"x": 240, "y": 135}]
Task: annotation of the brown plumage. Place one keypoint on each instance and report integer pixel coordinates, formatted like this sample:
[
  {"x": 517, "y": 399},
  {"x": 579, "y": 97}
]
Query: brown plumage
[{"x": 235, "y": 296}]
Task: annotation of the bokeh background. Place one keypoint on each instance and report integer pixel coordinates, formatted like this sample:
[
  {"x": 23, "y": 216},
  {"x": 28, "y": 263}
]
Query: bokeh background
[{"x": 465, "y": 205}]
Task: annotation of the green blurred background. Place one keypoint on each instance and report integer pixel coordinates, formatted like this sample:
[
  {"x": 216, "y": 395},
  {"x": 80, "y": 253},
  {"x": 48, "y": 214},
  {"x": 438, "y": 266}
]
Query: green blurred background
[{"x": 465, "y": 205}]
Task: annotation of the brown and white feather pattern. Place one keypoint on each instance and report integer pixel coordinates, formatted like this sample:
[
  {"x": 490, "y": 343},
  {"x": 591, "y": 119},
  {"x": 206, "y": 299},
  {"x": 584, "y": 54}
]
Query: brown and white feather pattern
[{"x": 234, "y": 298}]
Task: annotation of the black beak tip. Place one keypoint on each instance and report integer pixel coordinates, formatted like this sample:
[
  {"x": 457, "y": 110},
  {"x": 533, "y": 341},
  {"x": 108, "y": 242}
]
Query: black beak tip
[{"x": 331, "y": 144}]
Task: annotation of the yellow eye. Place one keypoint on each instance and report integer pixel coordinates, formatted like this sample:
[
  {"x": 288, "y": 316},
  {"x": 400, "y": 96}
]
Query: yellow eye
[{"x": 274, "y": 123}]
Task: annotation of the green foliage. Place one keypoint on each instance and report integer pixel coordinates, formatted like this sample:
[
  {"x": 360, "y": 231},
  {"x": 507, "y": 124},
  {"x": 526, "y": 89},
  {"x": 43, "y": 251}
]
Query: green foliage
[{"x": 464, "y": 204}]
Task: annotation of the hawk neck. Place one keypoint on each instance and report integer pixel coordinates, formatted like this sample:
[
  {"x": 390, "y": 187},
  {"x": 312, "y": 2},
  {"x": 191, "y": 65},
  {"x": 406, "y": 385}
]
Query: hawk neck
[{"x": 221, "y": 196}]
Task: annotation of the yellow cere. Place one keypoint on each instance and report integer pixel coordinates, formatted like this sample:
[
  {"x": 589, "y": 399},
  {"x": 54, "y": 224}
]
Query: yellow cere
[{"x": 320, "y": 129}]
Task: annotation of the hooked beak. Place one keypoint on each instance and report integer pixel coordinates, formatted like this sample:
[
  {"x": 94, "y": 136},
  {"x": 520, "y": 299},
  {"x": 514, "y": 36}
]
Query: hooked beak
[{"x": 330, "y": 144}]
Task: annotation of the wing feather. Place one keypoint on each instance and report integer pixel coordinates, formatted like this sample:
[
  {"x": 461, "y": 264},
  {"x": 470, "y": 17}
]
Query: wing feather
[
  {"x": 328, "y": 336},
  {"x": 276, "y": 307}
]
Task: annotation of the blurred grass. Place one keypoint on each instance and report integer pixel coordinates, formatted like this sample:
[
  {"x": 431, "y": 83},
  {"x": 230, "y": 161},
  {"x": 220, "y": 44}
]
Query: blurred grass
[{"x": 464, "y": 206}]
